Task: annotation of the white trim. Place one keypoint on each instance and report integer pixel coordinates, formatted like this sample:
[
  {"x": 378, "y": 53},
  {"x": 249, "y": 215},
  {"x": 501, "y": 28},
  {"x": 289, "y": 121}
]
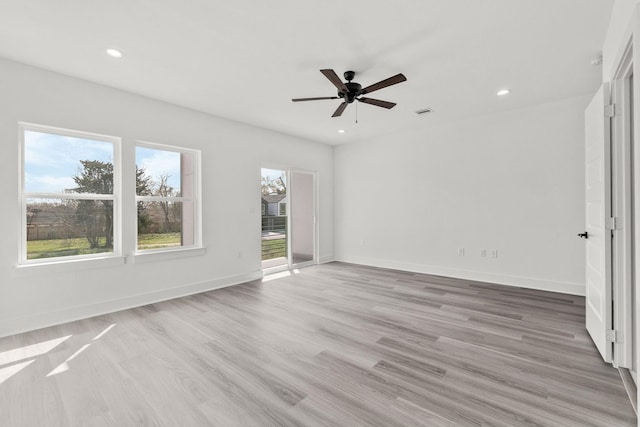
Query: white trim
[
  {"x": 621, "y": 198},
  {"x": 155, "y": 255},
  {"x": 625, "y": 41},
  {"x": 635, "y": 24},
  {"x": 164, "y": 147},
  {"x": 275, "y": 167},
  {"x": 67, "y": 132},
  {"x": 316, "y": 219},
  {"x": 41, "y": 320},
  {"x": 326, "y": 259},
  {"x": 276, "y": 269},
  {"x": 164, "y": 199},
  {"x": 70, "y": 196},
  {"x": 68, "y": 264},
  {"x": 479, "y": 276},
  {"x": 117, "y": 193},
  {"x": 303, "y": 264}
]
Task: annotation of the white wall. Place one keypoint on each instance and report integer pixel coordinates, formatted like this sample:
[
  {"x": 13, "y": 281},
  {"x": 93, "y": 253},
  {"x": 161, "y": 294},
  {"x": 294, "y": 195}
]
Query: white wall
[
  {"x": 232, "y": 154},
  {"x": 512, "y": 182}
]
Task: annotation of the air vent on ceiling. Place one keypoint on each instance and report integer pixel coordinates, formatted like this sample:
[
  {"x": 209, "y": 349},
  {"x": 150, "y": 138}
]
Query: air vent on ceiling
[{"x": 425, "y": 111}]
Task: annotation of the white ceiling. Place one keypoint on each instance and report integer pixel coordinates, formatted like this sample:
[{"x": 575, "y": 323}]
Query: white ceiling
[{"x": 246, "y": 59}]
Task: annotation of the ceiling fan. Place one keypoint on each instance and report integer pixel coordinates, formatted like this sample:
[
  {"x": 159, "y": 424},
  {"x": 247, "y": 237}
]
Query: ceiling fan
[{"x": 351, "y": 91}]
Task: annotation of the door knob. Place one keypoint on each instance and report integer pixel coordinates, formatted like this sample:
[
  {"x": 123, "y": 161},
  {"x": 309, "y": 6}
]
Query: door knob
[{"x": 584, "y": 235}]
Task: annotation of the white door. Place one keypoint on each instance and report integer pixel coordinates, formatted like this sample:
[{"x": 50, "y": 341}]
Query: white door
[{"x": 597, "y": 217}]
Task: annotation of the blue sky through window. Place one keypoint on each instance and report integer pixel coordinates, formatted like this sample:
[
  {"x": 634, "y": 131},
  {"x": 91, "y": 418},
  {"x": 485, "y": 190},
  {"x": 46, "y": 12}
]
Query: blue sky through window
[
  {"x": 157, "y": 163},
  {"x": 51, "y": 161}
]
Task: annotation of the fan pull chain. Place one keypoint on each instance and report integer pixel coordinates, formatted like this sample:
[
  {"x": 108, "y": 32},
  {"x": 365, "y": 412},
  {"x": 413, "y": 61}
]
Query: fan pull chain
[{"x": 356, "y": 113}]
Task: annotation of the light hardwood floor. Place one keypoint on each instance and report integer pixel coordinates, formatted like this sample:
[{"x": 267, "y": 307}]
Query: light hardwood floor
[{"x": 335, "y": 345}]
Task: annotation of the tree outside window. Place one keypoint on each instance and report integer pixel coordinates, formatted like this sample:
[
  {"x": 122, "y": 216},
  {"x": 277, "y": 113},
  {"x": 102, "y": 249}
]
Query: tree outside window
[{"x": 67, "y": 193}]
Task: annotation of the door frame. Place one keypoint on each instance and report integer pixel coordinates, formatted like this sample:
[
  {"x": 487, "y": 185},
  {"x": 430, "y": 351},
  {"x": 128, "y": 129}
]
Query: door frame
[{"x": 622, "y": 200}]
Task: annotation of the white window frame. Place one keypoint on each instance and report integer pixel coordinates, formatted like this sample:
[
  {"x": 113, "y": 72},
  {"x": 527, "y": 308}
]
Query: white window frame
[
  {"x": 195, "y": 198},
  {"x": 115, "y": 197}
]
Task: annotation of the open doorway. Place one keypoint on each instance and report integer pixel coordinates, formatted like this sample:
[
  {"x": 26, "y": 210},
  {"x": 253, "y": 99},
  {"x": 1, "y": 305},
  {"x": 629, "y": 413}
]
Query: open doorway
[
  {"x": 275, "y": 225},
  {"x": 288, "y": 229}
]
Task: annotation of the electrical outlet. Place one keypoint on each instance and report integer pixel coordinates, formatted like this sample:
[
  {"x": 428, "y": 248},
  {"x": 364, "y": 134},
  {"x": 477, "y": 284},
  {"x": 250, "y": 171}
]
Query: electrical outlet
[
  {"x": 493, "y": 253},
  {"x": 461, "y": 251},
  {"x": 483, "y": 252},
  {"x": 362, "y": 242}
]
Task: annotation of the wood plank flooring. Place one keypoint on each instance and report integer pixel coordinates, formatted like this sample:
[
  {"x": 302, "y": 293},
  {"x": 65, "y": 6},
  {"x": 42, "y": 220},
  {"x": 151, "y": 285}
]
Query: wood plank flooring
[{"x": 335, "y": 345}]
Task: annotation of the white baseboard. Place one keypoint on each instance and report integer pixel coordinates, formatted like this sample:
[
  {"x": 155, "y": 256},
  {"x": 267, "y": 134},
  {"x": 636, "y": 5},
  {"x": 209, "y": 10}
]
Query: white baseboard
[
  {"x": 479, "y": 276},
  {"x": 43, "y": 320},
  {"x": 326, "y": 259}
]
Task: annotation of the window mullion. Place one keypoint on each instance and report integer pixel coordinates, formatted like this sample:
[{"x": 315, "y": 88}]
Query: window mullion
[
  {"x": 69, "y": 196},
  {"x": 163, "y": 199}
]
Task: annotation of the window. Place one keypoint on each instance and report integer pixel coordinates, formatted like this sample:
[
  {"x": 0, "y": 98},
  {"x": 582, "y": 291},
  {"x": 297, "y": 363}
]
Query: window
[
  {"x": 166, "y": 189},
  {"x": 70, "y": 191},
  {"x": 264, "y": 209},
  {"x": 69, "y": 194},
  {"x": 283, "y": 209}
]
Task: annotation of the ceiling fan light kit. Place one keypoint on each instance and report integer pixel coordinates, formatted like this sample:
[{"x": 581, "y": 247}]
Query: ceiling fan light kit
[{"x": 350, "y": 91}]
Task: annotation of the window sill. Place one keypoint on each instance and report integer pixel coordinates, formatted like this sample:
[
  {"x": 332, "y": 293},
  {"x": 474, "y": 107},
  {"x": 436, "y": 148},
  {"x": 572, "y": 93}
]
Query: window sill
[
  {"x": 64, "y": 266},
  {"x": 166, "y": 255}
]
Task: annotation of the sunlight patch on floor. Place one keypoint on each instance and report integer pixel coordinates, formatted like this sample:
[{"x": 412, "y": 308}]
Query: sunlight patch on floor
[
  {"x": 104, "y": 332},
  {"x": 64, "y": 366},
  {"x": 280, "y": 275},
  {"x": 9, "y": 371},
  {"x": 32, "y": 350}
]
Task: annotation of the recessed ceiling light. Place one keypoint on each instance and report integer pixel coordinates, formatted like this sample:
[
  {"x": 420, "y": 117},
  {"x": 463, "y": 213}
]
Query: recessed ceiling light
[
  {"x": 341, "y": 131},
  {"x": 114, "y": 53},
  {"x": 503, "y": 92}
]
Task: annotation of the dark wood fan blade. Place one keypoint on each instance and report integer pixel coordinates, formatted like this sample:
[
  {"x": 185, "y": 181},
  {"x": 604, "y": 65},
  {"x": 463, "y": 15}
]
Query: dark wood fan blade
[
  {"x": 340, "y": 109},
  {"x": 377, "y": 102},
  {"x": 314, "y": 99},
  {"x": 398, "y": 78},
  {"x": 333, "y": 78}
]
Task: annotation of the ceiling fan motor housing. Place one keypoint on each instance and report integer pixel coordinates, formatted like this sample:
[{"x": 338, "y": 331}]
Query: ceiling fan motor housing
[{"x": 354, "y": 90}]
